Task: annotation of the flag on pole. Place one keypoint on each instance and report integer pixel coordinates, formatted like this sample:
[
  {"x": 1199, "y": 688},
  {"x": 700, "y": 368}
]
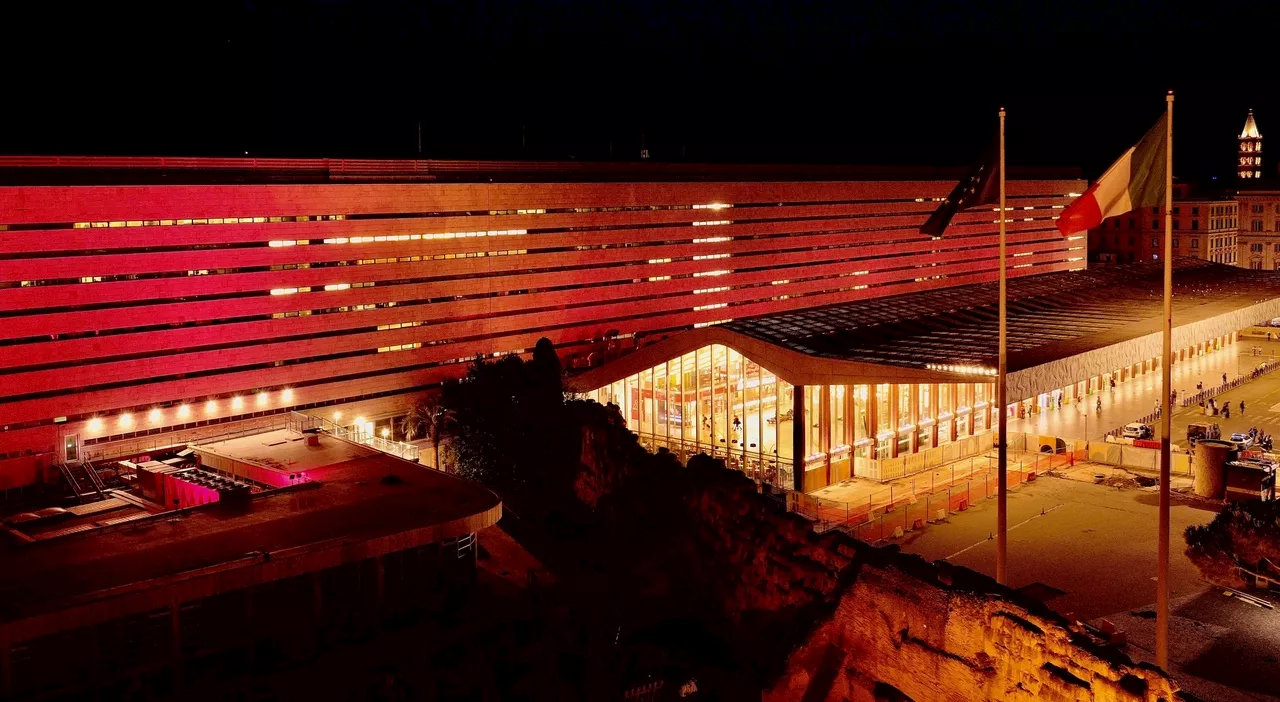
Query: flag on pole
[
  {"x": 1136, "y": 180},
  {"x": 979, "y": 187}
]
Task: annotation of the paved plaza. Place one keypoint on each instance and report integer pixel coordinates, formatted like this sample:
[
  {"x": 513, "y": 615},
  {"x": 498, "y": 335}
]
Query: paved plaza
[
  {"x": 1089, "y": 551},
  {"x": 1137, "y": 397}
]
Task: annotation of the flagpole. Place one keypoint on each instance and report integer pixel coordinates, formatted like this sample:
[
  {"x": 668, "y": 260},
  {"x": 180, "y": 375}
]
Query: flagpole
[
  {"x": 1002, "y": 433},
  {"x": 1166, "y": 416}
]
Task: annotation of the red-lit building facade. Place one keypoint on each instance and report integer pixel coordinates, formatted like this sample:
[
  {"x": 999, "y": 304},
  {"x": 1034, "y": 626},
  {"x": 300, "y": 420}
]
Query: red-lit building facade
[{"x": 145, "y": 296}]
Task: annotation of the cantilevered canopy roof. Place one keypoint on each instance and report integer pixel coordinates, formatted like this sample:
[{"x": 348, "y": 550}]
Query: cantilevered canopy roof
[{"x": 1063, "y": 327}]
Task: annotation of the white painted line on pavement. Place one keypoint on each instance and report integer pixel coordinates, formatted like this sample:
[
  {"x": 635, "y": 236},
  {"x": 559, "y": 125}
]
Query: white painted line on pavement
[{"x": 1015, "y": 526}]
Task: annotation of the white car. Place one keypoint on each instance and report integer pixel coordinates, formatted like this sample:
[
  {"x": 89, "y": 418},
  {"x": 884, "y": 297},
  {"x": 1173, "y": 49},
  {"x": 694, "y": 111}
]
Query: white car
[
  {"x": 1243, "y": 439},
  {"x": 1137, "y": 430}
]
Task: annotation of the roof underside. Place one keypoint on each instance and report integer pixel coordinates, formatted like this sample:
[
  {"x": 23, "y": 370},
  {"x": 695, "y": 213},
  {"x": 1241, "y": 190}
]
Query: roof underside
[{"x": 1051, "y": 316}]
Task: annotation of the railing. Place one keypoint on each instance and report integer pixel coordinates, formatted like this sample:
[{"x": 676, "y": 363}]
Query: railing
[
  {"x": 197, "y": 435},
  {"x": 1149, "y": 418},
  {"x": 765, "y": 468},
  {"x": 1254, "y": 374},
  {"x": 299, "y": 422}
]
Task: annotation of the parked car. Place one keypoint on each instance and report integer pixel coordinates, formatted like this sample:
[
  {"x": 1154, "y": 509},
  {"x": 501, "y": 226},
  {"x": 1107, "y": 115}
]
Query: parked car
[{"x": 1138, "y": 430}]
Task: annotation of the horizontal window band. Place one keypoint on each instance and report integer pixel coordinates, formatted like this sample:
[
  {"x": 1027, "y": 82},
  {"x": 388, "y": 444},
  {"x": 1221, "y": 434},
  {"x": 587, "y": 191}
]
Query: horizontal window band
[{"x": 349, "y": 354}]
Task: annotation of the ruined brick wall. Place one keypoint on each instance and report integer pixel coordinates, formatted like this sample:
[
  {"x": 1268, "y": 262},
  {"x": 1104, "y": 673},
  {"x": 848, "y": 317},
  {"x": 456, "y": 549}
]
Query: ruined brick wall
[
  {"x": 870, "y": 623},
  {"x": 907, "y": 630}
]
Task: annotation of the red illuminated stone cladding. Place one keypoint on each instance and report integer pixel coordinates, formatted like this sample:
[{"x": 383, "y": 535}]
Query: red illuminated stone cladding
[{"x": 890, "y": 254}]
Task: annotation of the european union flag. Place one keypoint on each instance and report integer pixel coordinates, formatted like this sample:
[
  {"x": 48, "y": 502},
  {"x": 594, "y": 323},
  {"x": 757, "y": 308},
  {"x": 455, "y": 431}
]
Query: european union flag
[{"x": 980, "y": 187}]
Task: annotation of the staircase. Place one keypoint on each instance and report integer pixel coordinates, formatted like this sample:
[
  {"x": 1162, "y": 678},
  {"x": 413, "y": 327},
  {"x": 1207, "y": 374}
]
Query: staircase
[{"x": 83, "y": 480}]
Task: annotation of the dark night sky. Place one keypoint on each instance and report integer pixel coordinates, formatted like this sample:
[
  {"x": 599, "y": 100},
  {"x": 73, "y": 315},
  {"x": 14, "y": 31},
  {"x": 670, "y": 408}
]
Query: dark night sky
[{"x": 737, "y": 80}]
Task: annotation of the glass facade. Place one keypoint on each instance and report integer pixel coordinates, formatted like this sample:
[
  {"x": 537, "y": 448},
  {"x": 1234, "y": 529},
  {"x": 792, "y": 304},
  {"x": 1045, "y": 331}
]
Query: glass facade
[{"x": 715, "y": 400}]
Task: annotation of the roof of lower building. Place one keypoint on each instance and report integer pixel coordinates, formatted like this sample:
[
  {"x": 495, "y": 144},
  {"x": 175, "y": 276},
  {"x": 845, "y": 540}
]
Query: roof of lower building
[{"x": 346, "y": 504}]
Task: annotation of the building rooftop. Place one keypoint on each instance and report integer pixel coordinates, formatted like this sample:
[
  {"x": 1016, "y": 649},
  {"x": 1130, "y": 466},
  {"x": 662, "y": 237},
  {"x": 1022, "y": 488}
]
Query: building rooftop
[
  {"x": 146, "y": 170},
  {"x": 345, "y": 500},
  {"x": 1067, "y": 322},
  {"x": 1050, "y": 316}
]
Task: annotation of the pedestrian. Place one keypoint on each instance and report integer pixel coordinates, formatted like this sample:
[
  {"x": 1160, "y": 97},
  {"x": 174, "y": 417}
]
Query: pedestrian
[
  {"x": 1242, "y": 407},
  {"x": 1059, "y": 401},
  {"x": 1224, "y": 378},
  {"x": 1200, "y": 385},
  {"x": 1099, "y": 405},
  {"x": 1113, "y": 383},
  {"x": 737, "y": 423},
  {"x": 1226, "y": 411}
]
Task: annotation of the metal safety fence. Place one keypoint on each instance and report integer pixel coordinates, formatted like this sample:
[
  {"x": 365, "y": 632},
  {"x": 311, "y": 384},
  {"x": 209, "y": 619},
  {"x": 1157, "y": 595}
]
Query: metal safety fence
[
  {"x": 1203, "y": 395},
  {"x": 912, "y": 504}
]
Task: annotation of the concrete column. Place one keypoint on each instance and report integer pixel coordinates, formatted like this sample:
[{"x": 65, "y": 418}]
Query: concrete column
[
  {"x": 798, "y": 426},
  {"x": 894, "y": 420},
  {"x": 933, "y": 412},
  {"x": 849, "y": 430},
  {"x": 873, "y": 422},
  {"x": 824, "y": 423}
]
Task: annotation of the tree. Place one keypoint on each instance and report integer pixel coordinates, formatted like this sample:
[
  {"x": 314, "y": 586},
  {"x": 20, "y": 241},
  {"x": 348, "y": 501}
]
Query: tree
[
  {"x": 509, "y": 430},
  {"x": 1244, "y": 538},
  {"x": 428, "y": 418}
]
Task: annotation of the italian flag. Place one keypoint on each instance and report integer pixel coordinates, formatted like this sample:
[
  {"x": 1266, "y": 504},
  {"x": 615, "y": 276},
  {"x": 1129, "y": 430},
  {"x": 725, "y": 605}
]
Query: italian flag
[{"x": 1136, "y": 180}]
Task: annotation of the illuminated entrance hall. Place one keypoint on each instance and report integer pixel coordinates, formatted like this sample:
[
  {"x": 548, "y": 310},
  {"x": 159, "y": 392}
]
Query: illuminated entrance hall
[
  {"x": 717, "y": 401},
  {"x": 888, "y": 387}
]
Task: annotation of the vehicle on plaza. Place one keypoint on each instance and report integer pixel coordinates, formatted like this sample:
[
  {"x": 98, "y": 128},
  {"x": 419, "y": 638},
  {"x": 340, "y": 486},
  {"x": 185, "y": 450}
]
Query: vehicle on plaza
[
  {"x": 1138, "y": 430},
  {"x": 1200, "y": 432},
  {"x": 1243, "y": 439}
]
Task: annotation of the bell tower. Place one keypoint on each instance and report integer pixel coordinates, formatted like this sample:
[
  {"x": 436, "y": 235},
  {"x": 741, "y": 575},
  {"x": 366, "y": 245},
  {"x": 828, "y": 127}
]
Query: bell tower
[{"x": 1250, "y": 155}]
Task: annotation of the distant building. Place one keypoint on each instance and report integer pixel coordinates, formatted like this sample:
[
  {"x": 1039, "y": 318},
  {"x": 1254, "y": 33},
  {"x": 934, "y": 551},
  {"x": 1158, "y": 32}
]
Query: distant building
[
  {"x": 1203, "y": 228},
  {"x": 1259, "y": 237},
  {"x": 1250, "y": 165}
]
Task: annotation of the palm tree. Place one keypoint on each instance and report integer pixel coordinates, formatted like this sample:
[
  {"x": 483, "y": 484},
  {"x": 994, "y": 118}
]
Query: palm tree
[{"x": 429, "y": 419}]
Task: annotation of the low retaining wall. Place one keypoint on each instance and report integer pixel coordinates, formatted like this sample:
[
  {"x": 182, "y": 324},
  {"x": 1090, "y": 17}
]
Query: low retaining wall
[
  {"x": 1147, "y": 459},
  {"x": 240, "y": 468}
]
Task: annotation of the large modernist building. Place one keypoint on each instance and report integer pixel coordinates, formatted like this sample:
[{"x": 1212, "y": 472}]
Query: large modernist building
[{"x": 147, "y": 296}]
